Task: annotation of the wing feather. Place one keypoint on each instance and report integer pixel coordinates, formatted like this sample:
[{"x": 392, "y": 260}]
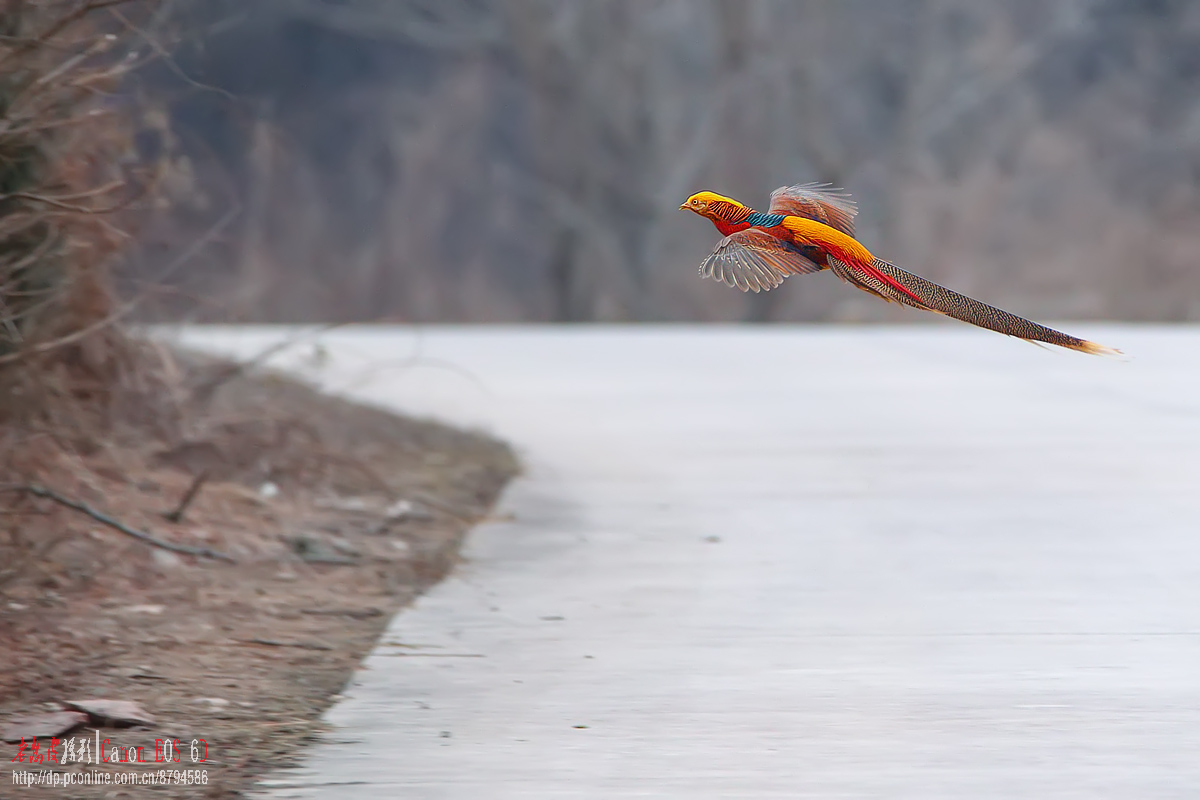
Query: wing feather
[
  {"x": 819, "y": 202},
  {"x": 755, "y": 261}
]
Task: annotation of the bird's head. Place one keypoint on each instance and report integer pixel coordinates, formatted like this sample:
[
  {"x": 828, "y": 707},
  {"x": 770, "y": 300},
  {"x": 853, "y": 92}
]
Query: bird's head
[{"x": 707, "y": 204}]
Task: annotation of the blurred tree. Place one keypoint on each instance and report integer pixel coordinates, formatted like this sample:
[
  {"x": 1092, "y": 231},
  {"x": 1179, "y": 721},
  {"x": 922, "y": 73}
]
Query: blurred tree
[{"x": 523, "y": 159}]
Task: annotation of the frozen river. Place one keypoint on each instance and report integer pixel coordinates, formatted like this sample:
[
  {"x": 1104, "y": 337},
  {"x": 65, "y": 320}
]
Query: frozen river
[{"x": 923, "y": 563}]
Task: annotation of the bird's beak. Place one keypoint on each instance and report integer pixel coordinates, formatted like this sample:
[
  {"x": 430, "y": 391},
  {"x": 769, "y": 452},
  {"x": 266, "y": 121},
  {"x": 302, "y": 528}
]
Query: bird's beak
[{"x": 683, "y": 207}]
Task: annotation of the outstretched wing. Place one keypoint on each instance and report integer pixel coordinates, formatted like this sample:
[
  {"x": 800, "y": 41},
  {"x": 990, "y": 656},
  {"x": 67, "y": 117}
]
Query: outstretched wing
[
  {"x": 818, "y": 202},
  {"x": 755, "y": 261},
  {"x": 939, "y": 299}
]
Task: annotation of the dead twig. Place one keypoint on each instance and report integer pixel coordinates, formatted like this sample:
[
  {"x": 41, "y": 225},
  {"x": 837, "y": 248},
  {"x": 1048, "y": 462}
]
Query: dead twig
[
  {"x": 353, "y": 613},
  {"x": 198, "y": 482},
  {"x": 57, "y": 27},
  {"x": 236, "y": 369},
  {"x": 275, "y": 643},
  {"x": 72, "y": 207},
  {"x": 167, "y": 59},
  {"x": 470, "y": 516},
  {"x": 117, "y": 525}
]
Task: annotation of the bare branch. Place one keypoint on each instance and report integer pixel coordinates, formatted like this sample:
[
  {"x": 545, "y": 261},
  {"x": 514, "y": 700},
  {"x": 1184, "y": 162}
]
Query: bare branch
[
  {"x": 59, "y": 25},
  {"x": 176, "y": 515},
  {"x": 128, "y": 307},
  {"x": 117, "y": 525}
]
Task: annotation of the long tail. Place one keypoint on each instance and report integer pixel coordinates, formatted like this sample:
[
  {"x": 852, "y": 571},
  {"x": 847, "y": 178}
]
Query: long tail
[{"x": 932, "y": 297}]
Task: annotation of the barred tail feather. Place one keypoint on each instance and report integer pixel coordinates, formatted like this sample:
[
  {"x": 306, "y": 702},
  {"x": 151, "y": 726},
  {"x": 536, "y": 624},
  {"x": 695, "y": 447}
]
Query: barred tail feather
[{"x": 932, "y": 297}]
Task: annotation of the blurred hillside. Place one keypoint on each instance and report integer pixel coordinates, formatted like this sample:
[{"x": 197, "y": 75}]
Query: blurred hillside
[{"x": 464, "y": 160}]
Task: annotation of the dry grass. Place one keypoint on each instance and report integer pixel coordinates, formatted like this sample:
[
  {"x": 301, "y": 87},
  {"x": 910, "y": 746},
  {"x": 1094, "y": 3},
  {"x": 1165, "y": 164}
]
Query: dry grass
[{"x": 322, "y": 562}]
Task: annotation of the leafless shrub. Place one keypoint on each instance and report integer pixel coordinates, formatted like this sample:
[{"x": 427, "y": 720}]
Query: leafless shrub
[{"x": 69, "y": 172}]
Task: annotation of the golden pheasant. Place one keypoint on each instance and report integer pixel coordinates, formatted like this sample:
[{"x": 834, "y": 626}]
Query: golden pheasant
[{"x": 810, "y": 227}]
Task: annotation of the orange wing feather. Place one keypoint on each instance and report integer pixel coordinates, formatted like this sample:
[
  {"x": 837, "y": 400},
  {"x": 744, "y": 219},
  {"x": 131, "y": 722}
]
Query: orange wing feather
[{"x": 818, "y": 202}]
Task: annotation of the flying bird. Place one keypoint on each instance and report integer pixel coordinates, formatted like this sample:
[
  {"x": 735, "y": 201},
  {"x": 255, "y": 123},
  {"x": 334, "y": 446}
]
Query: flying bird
[{"x": 810, "y": 227}]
